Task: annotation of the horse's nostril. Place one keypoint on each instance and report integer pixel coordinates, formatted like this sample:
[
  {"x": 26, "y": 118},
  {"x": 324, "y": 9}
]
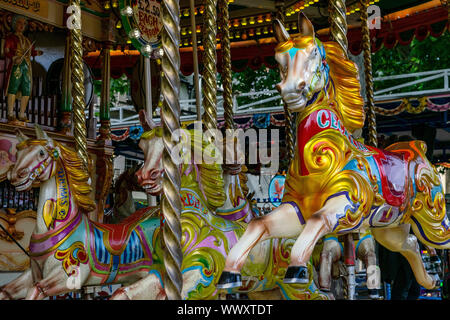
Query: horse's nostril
[
  {"x": 154, "y": 175},
  {"x": 301, "y": 85}
]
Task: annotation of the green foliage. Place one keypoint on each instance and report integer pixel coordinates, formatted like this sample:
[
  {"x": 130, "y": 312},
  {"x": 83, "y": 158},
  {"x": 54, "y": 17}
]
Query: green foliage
[
  {"x": 249, "y": 80},
  {"x": 418, "y": 56},
  {"x": 120, "y": 85}
]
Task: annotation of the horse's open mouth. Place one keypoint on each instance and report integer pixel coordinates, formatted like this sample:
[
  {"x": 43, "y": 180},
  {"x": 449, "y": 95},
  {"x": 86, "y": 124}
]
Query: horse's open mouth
[
  {"x": 295, "y": 102},
  {"x": 152, "y": 189},
  {"x": 24, "y": 185}
]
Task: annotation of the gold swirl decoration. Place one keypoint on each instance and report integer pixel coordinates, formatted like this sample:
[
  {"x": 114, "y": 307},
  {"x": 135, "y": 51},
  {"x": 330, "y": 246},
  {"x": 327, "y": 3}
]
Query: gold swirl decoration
[
  {"x": 211, "y": 260},
  {"x": 79, "y": 118},
  {"x": 209, "y": 84},
  {"x": 427, "y": 211},
  {"x": 325, "y": 156},
  {"x": 170, "y": 115},
  {"x": 73, "y": 256},
  {"x": 370, "y": 103}
]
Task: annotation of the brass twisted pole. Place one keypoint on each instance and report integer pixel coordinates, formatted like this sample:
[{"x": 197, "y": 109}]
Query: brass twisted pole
[
  {"x": 223, "y": 23},
  {"x": 170, "y": 116},
  {"x": 288, "y": 116},
  {"x": 338, "y": 29},
  {"x": 209, "y": 83},
  {"x": 79, "y": 118},
  {"x": 226, "y": 64},
  {"x": 371, "y": 119},
  {"x": 338, "y": 23}
]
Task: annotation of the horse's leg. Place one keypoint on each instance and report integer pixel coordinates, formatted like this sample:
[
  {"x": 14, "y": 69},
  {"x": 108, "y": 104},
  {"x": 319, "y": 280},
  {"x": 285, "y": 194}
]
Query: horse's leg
[
  {"x": 318, "y": 225},
  {"x": 17, "y": 289},
  {"x": 282, "y": 222},
  {"x": 148, "y": 288},
  {"x": 56, "y": 281},
  {"x": 366, "y": 253},
  {"x": 331, "y": 253},
  {"x": 398, "y": 239}
]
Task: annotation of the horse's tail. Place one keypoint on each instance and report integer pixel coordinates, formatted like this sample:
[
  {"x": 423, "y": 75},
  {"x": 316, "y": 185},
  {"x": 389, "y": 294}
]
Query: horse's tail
[{"x": 427, "y": 213}]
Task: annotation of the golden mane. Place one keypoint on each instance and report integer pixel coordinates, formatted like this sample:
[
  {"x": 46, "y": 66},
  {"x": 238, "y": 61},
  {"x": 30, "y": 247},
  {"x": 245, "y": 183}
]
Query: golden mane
[
  {"x": 211, "y": 175},
  {"x": 345, "y": 76},
  {"x": 77, "y": 177}
]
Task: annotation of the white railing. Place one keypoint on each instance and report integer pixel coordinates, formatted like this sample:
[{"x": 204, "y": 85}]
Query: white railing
[
  {"x": 261, "y": 97},
  {"x": 392, "y": 92}
]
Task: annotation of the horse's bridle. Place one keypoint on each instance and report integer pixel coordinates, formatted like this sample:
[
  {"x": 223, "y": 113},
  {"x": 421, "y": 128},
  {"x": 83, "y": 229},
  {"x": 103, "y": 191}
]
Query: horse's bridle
[{"x": 41, "y": 167}]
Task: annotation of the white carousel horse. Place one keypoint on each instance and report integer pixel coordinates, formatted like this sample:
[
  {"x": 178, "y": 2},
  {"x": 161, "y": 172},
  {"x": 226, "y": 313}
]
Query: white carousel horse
[
  {"x": 335, "y": 183},
  {"x": 330, "y": 262},
  {"x": 69, "y": 251},
  {"x": 212, "y": 220}
]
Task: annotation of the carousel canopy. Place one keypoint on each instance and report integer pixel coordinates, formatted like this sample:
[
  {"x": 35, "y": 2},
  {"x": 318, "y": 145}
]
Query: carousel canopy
[{"x": 252, "y": 41}]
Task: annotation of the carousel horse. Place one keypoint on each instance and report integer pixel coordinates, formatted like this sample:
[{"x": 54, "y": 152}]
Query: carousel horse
[
  {"x": 330, "y": 261},
  {"x": 212, "y": 220},
  {"x": 69, "y": 251},
  {"x": 124, "y": 186},
  {"x": 336, "y": 184}
]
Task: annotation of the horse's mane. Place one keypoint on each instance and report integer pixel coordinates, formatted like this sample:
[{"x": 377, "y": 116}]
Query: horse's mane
[
  {"x": 345, "y": 77},
  {"x": 211, "y": 175},
  {"x": 77, "y": 177}
]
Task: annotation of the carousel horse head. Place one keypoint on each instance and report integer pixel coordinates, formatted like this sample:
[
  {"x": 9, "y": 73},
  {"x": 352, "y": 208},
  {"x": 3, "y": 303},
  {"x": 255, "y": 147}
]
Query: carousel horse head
[
  {"x": 151, "y": 143},
  {"x": 207, "y": 177},
  {"x": 309, "y": 67},
  {"x": 303, "y": 66},
  {"x": 35, "y": 160}
]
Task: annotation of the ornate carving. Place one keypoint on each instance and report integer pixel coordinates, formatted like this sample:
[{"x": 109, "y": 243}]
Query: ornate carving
[{"x": 10, "y": 216}]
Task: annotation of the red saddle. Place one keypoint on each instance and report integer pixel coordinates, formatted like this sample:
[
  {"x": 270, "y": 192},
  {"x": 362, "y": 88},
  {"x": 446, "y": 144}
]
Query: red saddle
[
  {"x": 115, "y": 236},
  {"x": 394, "y": 176}
]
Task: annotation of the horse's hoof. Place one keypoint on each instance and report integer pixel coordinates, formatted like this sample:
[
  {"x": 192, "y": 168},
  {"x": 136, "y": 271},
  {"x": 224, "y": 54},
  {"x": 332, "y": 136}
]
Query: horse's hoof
[
  {"x": 229, "y": 280},
  {"x": 296, "y": 275}
]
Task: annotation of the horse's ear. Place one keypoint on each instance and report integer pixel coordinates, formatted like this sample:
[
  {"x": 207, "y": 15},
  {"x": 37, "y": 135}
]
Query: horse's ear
[
  {"x": 20, "y": 135},
  {"x": 280, "y": 32},
  {"x": 40, "y": 134},
  {"x": 305, "y": 26},
  {"x": 147, "y": 124}
]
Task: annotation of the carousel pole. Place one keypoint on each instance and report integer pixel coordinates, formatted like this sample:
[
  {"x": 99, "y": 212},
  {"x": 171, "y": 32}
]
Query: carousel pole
[
  {"x": 209, "y": 84},
  {"x": 79, "y": 118},
  {"x": 338, "y": 23},
  {"x": 195, "y": 60},
  {"x": 170, "y": 116},
  {"x": 105, "y": 124},
  {"x": 338, "y": 29},
  {"x": 371, "y": 120},
  {"x": 224, "y": 26},
  {"x": 288, "y": 116},
  {"x": 66, "y": 105}
]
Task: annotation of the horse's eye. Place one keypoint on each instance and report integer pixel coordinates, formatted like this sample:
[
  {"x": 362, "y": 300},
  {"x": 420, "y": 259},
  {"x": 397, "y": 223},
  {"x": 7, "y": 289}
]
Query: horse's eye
[{"x": 41, "y": 153}]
